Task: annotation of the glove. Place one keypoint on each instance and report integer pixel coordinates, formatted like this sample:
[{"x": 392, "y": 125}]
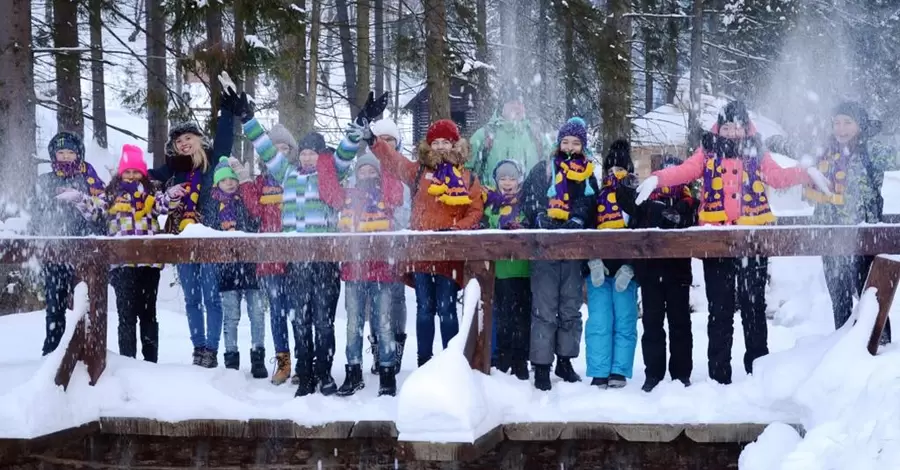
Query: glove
[
  {"x": 819, "y": 180},
  {"x": 645, "y": 189},
  {"x": 175, "y": 192},
  {"x": 574, "y": 223},
  {"x": 69, "y": 195},
  {"x": 229, "y": 101},
  {"x": 242, "y": 172},
  {"x": 623, "y": 276},
  {"x": 244, "y": 108},
  {"x": 672, "y": 216},
  {"x": 543, "y": 221},
  {"x": 372, "y": 108},
  {"x": 358, "y": 132},
  {"x": 598, "y": 272}
]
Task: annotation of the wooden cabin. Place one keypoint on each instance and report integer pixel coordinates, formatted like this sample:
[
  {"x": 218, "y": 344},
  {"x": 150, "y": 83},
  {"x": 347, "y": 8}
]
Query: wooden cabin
[{"x": 463, "y": 99}]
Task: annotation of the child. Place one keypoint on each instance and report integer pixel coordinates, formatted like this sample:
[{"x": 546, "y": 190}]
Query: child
[
  {"x": 665, "y": 283},
  {"x": 512, "y": 286},
  {"x": 238, "y": 280},
  {"x": 559, "y": 194},
  {"x": 53, "y": 213},
  {"x": 610, "y": 333},
  {"x": 445, "y": 196},
  {"x": 735, "y": 168},
  {"x": 368, "y": 207},
  {"x": 129, "y": 207}
]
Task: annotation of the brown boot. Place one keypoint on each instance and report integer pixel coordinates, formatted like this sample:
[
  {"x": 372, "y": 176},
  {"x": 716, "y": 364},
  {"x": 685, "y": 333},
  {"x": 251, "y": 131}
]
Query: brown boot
[{"x": 282, "y": 369}]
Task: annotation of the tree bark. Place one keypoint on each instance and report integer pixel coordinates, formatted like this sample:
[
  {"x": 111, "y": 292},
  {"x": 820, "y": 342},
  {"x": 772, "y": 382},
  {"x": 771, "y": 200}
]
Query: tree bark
[
  {"x": 696, "y": 82},
  {"x": 98, "y": 86},
  {"x": 650, "y": 61},
  {"x": 363, "y": 52},
  {"x": 216, "y": 58},
  {"x": 571, "y": 66},
  {"x": 379, "y": 47},
  {"x": 157, "y": 99},
  {"x": 343, "y": 21},
  {"x": 17, "y": 101},
  {"x": 713, "y": 54},
  {"x": 615, "y": 95},
  {"x": 481, "y": 53},
  {"x": 312, "y": 91},
  {"x": 671, "y": 51},
  {"x": 437, "y": 76},
  {"x": 70, "y": 116}
]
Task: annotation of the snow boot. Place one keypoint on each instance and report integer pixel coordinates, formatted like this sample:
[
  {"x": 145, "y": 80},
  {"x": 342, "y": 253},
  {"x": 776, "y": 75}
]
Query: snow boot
[
  {"x": 209, "y": 359},
  {"x": 400, "y": 339},
  {"x": 233, "y": 360},
  {"x": 198, "y": 356},
  {"x": 258, "y": 363},
  {"x": 282, "y": 368},
  {"x": 387, "y": 381},
  {"x": 326, "y": 383},
  {"x": 542, "y": 377},
  {"x": 306, "y": 380},
  {"x": 423, "y": 360},
  {"x": 373, "y": 345},
  {"x": 565, "y": 371},
  {"x": 503, "y": 362},
  {"x": 353, "y": 382},
  {"x": 650, "y": 383},
  {"x": 520, "y": 369},
  {"x": 686, "y": 381},
  {"x": 600, "y": 382},
  {"x": 617, "y": 381}
]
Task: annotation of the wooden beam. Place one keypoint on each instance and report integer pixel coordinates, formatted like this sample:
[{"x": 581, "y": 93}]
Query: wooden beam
[
  {"x": 96, "y": 275},
  {"x": 883, "y": 276},
  {"x": 73, "y": 353},
  {"x": 478, "y": 343}
]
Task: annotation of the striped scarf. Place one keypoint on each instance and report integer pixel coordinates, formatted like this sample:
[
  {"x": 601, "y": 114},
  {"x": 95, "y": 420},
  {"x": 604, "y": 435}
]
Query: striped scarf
[
  {"x": 83, "y": 169},
  {"x": 227, "y": 212},
  {"x": 834, "y": 165},
  {"x": 567, "y": 169},
  {"x": 364, "y": 211},
  {"x": 755, "y": 208},
  {"x": 448, "y": 186}
]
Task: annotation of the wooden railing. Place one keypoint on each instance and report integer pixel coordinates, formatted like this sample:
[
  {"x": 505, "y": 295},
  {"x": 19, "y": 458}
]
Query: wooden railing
[{"x": 93, "y": 256}]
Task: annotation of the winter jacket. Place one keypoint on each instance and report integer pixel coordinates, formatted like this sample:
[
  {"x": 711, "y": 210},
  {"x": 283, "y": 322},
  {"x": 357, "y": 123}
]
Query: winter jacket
[
  {"x": 508, "y": 140},
  {"x": 862, "y": 196},
  {"x": 221, "y": 147},
  {"x": 772, "y": 174},
  {"x": 52, "y": 217},
  {"x": 505, "y": 269},
  {"x": 239, "y": 276},
  {"x": 536, "y": 201},
  {"x": 255, "y": 195},
  {"x": 304, "y": 209},
  {"x": 427, "y": 212}
]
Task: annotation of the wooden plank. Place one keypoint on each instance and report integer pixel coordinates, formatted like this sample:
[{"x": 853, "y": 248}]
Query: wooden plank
[
  {"x": 649, "y": 432},
  {"x": 478, "y": 343},
  {"x": 724, "y": 432},
  {"x": 455, "y": 451},
  {"x": 534, "y": 431},
  {"x": 883, "y": 276},
  {"x": 73, "y": 353},
  {"x": 96, "y": 275},
  {"x": 188, "y": 428}
]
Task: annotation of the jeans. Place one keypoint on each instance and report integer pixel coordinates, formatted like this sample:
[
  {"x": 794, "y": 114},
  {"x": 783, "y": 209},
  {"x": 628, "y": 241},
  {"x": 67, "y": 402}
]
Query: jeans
[
  {"x": 136, "y": 291},
  {"x": 58, "y": 278},
  {"x": 231, "y": 305},
  {"x": 201, "y": 287},
  {"x": 356, "y": 296},
  {"x": 398, "y": 307},
  {"x": 435, "y": 294},
  {"x": 279, "y": 310},
  {"x": 314, "y": 290}
]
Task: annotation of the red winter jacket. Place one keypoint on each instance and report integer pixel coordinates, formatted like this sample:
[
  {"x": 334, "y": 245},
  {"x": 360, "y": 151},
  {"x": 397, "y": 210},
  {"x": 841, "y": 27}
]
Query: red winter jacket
[
  {"x": 263, "y": 201},
  {"x": 335, "y": 195}
]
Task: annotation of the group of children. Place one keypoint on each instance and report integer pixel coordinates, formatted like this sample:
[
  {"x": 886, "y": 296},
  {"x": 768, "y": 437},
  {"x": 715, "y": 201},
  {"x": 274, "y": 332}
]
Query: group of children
[{"x": 366, "y": 185}]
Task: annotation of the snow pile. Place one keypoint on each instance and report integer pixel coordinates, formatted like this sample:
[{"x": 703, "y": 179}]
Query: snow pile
[
  {"x": 848, "y": 401},
  {"x": 444, "y": 401}
]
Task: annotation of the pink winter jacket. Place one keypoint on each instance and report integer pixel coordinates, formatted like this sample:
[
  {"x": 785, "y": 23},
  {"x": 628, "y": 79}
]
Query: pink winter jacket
[{"x": 772, "y": 174}]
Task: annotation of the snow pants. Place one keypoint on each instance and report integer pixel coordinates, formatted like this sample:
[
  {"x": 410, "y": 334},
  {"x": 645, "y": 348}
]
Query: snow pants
[
  {"x": 557, "y": 292},
  {"x": 724, "y": 277},
  {"x": 665, "y": 293},
  {"x": 231, "y": 306},
  {"x": 610, "y": 333},
  {"x": 200, "y": 283},
  {"x": 136, "y": 291},
  {"x": 846, "y": 278},
  {"x": 512, "y": 306},
  {"x": 313, "y": 290},
  {"x": 58, "y": 279},
  {"x": 435, "y": 295}
]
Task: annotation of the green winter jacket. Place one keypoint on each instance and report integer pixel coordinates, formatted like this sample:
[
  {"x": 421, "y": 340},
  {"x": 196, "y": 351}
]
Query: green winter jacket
[
  {"x": 511, "y": 141},
  {"x": 506, "y": 269}
]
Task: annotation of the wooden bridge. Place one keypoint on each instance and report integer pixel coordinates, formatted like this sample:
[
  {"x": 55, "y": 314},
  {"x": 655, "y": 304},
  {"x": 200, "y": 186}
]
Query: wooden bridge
[{"x": 93, "y": 256}]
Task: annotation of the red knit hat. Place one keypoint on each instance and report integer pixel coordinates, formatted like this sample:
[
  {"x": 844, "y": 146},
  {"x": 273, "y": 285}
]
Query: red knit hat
[{"x": 442, "y": 129}]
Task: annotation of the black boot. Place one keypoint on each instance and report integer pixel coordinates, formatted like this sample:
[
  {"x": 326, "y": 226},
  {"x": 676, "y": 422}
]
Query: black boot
[
  {"x": 233, "y": 360},
  {"x": 258, "y": 363},
  {"x": 520, "y": 369},
  {"x": 373, "y": 344},
  {"x": 617, "y": 381},
  {"x": 503, "y": 362},
  {"x": 209, "y": 359},
  {"x": 423, "y": 360},
  {"x": 387, "y": 381},
  {"x": 542, "y": 377},
  {"x": 600, "y": 382},
  {"x": 325, "y": 383},
  {"x": 306, "y": 382},
  {"x": 650, "y": 383},
  {"x": 565, "y": 371},
  {"x": 398, "y": 355},
  {"x": 198, "y": 356},
  {"x": 353, "y": 382}
]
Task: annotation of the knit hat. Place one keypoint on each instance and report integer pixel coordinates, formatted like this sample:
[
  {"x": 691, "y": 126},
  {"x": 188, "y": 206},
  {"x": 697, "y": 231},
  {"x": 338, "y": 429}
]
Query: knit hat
[
  {"x": 279, "y": 134},
  {"x": 442, "y": 129},
  {"x": 386, "y": 127},
  {"x": 312, "y": 141},
  {"x": 736, "y": 112},
  {"x": 178, "y": 130},
  {"x": 868, "y": 127},
  {"x": 575, "y": 127},
  {"x": 367, "y": 158},
  {"x": 223, "y": 171},
  {"x": 132, "y": 159},
  {"x": 66, "y": 141},
  {"x": 619, "y": 155},
  {"x": 508, "y": 168}
]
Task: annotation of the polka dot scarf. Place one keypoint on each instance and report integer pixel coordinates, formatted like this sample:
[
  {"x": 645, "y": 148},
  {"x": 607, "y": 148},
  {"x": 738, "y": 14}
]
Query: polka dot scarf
[
  {"x": 609, "y": 213},
  {"x": 755, "y": 208}
]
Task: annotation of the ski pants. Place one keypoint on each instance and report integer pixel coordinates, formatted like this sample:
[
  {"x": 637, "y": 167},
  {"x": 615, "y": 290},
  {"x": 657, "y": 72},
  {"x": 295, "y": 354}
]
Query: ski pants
[
  {"x": 610, "y": 333},
  {"x": 557, "y": 292}
]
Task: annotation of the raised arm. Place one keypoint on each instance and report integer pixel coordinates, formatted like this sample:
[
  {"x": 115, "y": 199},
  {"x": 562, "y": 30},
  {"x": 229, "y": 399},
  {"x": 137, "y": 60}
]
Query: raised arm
[
  {"x": 394, "y": 163},
  {"x": 777, "y": 177},
  {"x": 393, "y": 190},
  {"x": 276, "y": 162},
  {"x": 330, "y": 189},
  {"x": 691, "y": 169},
  {"x": 224, "y": 140}
]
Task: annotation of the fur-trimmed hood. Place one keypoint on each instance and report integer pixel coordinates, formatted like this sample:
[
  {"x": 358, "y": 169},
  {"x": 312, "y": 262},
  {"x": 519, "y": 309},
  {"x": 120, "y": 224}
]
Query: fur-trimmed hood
[{"x": 427, "y": 157}]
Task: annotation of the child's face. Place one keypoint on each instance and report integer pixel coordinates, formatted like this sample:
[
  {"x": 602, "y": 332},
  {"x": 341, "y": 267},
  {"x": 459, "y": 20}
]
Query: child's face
[
  {"x": 130, "y": 176},
  {"x": 845, "y": 128},
  {"x": 188, "y": 144},
  {"x": 570, "y": 144},
  {"x": 308, "y": 158},
  {"x": 366, "y": 173},
  {"x": 228, "y": 185},
  {"x": 285, "y": 149},
  {"x": 390, "y": 140},
  {"x": 441, "y": 145},
  {"x": 66, "y": 156},
  {"x": 508, "y": 184},
  {"x": 732, "y": 130}
]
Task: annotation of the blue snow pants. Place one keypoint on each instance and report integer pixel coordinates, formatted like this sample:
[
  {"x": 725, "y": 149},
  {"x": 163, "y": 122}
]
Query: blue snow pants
[{"x": 610, "y": 333}]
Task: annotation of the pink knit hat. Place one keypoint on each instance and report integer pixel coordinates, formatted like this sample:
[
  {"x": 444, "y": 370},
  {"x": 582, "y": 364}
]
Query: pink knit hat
[{"x": 132, "y": 159}]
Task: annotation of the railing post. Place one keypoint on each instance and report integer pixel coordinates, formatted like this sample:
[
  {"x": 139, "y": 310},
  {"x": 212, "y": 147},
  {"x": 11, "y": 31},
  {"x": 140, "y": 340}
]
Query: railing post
[
  {"x": 96, "y": 275},
  {"x": 479, "y": 354},
  {"x": 883, "y": 276}
]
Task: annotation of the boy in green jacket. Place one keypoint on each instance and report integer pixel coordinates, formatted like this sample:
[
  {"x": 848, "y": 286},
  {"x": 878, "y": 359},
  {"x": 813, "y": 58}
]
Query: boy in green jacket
[{"x": 512, "y": 286}]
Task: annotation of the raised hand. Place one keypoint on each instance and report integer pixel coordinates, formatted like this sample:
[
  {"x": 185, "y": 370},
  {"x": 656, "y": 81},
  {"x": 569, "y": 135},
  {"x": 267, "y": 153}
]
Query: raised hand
[
  {"x": 241, "y": 170},
  {"x": 645, "y": 189},
  {"x": 69, "y": 195},
  {"x": 372, "y": 108},
  {"x": 360, "y": 131}
]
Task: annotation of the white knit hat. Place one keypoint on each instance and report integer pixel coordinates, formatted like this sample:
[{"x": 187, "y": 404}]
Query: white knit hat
[{"x": 386, "y": 127}]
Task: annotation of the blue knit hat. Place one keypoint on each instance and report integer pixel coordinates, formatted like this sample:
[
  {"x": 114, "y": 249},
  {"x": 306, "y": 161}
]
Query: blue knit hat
[
  {"x": 66, "y": 141},
  {"x": 576, "y": 127}
]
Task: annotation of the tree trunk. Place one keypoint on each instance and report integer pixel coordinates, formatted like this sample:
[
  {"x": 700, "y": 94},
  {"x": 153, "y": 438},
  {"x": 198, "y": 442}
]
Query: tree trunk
[
  {"x": 363, "y": 52},
  {"x": 671, "y": 54},
  {"x": 240, "y": 37},
  {"x": 437, "y": 77},
  {"x": 508, "y": 40},
  {"x": 650, "y": 61},
  {"x": 216, "y": 58},
  {"x": 292, "y": 81},
  {"x": 70, "y": 116},
  {"x": 98, "y": 86},
  {"x": 571, "y": 66},
  {"x": 343, "y": 21},
  {"x": 713, "y": 54},
  {"x": 312, "y": 92},
  {"x": 696, "y": 83},
  {"x": 543, "y": 56},
  {"x": 157, "y": 100},
  {"x": 397, "y": 59},
  {"x": 481, "y": 53},
  {"x": 379, "y": 47},
  {"x": 17, "y": 101},
  {"x": 615, "y": 95}
]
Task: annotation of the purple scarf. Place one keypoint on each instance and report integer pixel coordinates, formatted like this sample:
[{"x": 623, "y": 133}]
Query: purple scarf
[
  {"x": 227, "y": 208},
  {"x": 507, "y": 205},
  {"x": 609, "y": 213},
  {"x": 576, "y": 168},
  {"x": 80, "y": 168},
  {"x": 448, "y": 186},
  {"x": 187, "y": 213}
]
